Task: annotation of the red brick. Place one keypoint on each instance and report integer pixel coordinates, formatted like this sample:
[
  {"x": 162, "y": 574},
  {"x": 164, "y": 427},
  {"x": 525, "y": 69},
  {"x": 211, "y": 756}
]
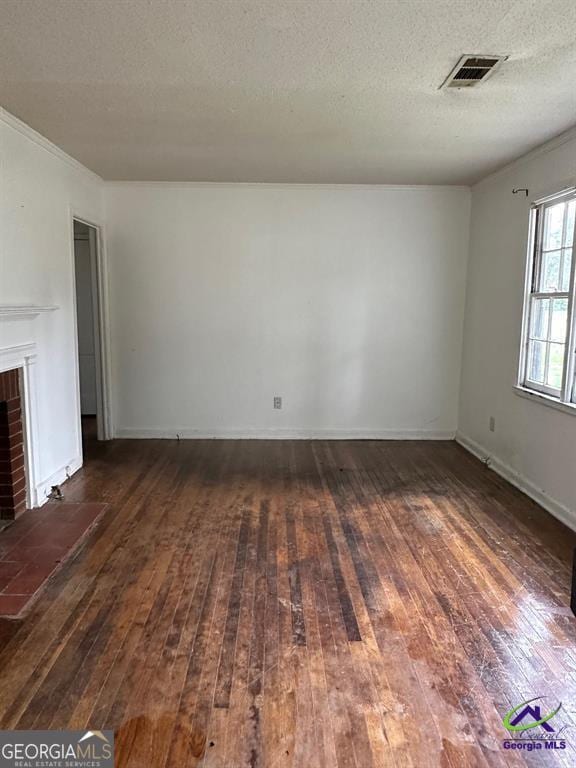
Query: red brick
[
  {"x": 14, "y": 416},
  {"x": 17, "y": 443},
  {"x": 9, "y": 384},
  {"x": 8, "y": 571},
  {"x": 18, "y": 485},
  {"x": 14, "y": 419},
  {"x": 12, "y": 471},
  {"x": 16, "y": 462},
  {"x": 11, "y": 605},
  {"x": 18, "y": 475},
  {"x": 12, "y": 499},
  {"x": 13, "y": 429},
  {"x": 19, "y": 511},
  {"x": 29, "y": 579},
  {"x": 8, "y": 478},
  {"x": 12, "y": 461},
  {"x": 19, "y": 496}
]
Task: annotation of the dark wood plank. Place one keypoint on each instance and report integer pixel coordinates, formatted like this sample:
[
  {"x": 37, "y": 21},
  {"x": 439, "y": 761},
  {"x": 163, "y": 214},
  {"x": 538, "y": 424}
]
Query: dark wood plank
[{"x": 270, "y": 603}]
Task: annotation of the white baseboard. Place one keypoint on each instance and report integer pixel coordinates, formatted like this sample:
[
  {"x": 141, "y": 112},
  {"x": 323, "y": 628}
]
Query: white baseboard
[
  {"x": 40, "y": 493},
  {"x": 285, "y": 434},
  {"x": 555, "y": 507}
]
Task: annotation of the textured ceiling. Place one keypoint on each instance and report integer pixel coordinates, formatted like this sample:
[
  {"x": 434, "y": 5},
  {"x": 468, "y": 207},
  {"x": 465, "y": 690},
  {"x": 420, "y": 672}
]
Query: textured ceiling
[{"x": 288, "y": 90}]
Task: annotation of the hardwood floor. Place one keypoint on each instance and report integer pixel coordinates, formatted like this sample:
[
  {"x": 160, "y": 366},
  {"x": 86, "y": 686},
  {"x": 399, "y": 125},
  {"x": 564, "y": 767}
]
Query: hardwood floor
[{"x": 306, "y": 604}]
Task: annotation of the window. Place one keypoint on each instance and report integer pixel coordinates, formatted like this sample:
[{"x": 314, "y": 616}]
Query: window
[{"x": 548, "y": 345}]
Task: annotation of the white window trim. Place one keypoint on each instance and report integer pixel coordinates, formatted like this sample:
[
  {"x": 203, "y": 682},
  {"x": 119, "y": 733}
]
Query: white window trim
[{"x": 564, "y": 399}]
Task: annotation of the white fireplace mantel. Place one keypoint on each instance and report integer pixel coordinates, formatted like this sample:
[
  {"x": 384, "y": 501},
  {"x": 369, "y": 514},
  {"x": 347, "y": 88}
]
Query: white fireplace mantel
[{"x": 24, "y": 311}]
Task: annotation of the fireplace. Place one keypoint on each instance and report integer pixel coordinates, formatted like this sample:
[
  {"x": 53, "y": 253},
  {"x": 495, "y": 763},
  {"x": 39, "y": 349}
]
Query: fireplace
[
  {"x": 18, "y": 431},
  {"x": 12, "y": 463}
]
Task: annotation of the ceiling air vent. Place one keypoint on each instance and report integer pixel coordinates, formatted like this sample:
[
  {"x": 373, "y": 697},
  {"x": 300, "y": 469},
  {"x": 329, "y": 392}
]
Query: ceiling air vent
[{"x": 471, "y": 70}]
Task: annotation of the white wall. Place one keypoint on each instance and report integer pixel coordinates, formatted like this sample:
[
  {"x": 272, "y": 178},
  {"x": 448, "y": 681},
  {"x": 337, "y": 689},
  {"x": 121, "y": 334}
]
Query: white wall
[
  {"x": 38, "y": 187},
  {"x": 533, "y": 445},
  {"x": 345, "y": 301}
]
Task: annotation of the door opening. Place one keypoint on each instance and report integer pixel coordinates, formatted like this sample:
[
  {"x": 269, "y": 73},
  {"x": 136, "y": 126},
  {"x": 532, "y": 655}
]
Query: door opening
[{"x": 89, "y": 325}]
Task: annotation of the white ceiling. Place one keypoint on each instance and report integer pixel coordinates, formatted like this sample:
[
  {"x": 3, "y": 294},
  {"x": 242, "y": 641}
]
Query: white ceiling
[{"x": 288, "y": 90}]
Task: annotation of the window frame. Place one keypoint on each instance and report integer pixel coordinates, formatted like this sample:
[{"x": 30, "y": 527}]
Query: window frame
[{"x": 566, "y": 395}]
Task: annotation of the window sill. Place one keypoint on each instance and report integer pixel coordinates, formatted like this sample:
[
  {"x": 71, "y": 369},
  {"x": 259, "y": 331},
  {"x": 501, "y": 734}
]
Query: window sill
[{"x": 551, "y": 402}]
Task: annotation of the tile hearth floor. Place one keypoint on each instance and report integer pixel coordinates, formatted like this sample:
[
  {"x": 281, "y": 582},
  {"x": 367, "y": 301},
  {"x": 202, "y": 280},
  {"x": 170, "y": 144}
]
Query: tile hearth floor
[{"x": 35, "y": 545}]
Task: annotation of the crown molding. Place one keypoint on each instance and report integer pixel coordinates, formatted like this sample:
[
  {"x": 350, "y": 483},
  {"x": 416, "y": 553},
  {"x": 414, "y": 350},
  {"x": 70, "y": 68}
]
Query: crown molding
[
  {"x": 25, "y": 130},
  {"x": 264, "y": 185},
  {"x": 532, "y": 154}
]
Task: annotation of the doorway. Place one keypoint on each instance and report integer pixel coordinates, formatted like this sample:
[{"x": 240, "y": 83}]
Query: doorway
[{"x": 89, "y": 327}]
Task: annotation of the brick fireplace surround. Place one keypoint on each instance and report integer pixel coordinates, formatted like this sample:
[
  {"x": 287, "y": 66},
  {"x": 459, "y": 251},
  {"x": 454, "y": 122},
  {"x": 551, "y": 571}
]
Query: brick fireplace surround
[{"x": 12, "y": 470}]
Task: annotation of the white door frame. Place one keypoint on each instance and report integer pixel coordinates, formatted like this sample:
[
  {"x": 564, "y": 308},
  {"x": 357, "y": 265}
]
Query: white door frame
[{"x": 101, "y": 328}]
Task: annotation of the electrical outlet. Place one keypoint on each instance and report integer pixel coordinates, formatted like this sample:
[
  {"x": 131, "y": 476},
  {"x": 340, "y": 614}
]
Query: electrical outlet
[
  {"x": 492, "y": 424},
  {"x": 277, "y": 403}
]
